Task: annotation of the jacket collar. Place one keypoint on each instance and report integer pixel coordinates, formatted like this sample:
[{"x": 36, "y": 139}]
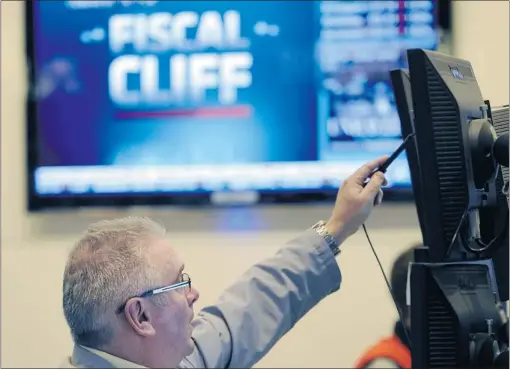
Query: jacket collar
[{"x": 86, "y": 357}]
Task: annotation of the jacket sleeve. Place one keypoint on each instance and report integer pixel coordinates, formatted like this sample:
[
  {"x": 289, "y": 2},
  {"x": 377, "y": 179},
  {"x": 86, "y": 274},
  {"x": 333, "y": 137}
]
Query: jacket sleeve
[{"x": 264, "y": 304}]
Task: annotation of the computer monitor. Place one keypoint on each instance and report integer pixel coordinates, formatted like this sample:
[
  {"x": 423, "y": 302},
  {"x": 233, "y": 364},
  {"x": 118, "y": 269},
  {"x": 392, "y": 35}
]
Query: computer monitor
[
  {"x": 401, "y": 82},
  {"x": 457, "y": 317}
]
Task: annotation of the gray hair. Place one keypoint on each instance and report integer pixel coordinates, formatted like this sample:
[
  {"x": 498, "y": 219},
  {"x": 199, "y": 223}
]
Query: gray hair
[{"x": 107, "y": 266}]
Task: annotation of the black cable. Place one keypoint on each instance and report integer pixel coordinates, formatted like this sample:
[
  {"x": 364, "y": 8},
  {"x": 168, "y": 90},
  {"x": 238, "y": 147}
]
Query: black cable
[
  {"x": 457, "y": 231},
  {"x": 402, "y": 320},
  {"x": 485, "y": 247}
]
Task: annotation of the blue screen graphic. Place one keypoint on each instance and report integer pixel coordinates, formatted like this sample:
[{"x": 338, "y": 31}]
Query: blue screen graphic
[{"x": 162, "y": 96}]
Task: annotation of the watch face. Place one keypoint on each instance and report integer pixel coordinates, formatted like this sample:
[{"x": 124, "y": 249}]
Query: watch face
[
  {"x": 319, "y": 224},
  {"x": 320, "y": 228}
]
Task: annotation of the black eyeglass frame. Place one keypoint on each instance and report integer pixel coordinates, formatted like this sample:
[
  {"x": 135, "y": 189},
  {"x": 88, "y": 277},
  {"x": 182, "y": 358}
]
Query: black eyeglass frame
[{"x": 185, "y": 282}]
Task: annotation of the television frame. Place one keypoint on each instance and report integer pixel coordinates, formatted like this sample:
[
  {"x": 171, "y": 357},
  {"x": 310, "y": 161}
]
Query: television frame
[{"x": 37, "y": 202}]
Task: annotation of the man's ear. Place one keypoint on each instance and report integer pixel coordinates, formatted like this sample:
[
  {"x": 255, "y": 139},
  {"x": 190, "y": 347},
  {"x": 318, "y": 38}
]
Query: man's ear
[{"x": 139, "y": 317}]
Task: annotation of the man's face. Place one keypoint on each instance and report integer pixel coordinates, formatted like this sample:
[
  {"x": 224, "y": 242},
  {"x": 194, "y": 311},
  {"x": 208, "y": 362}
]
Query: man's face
[{"x": 172, "y": 320}]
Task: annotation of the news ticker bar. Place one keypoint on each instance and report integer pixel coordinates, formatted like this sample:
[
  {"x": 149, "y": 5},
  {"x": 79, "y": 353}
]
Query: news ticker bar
[{"x": 273, "y": 176}]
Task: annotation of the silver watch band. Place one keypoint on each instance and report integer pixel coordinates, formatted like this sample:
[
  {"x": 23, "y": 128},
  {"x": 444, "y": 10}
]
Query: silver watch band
[{"x": 320, "y": 228}]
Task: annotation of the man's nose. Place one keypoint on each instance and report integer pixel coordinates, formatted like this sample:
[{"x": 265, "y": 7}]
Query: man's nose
[{"x": 193, "y": 295}]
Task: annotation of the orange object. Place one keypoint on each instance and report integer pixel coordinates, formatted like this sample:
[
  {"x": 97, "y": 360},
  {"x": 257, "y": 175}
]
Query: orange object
[{"x": 390, "y": 348}]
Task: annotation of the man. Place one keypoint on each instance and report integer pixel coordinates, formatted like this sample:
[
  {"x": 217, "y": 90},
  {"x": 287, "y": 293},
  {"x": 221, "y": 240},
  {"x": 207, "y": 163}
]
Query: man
[
  {"x": 394, "y": 351},
  {"x": 129, "y": 303}
]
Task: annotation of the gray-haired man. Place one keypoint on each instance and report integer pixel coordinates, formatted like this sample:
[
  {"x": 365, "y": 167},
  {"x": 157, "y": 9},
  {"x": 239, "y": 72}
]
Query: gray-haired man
[{"x": 129, "y": 304}]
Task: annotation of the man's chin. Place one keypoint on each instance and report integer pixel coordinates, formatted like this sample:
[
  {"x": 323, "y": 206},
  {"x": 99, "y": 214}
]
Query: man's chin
[
  {"x": 191, "y": 343},
  {"x": 191, "y": 347}
]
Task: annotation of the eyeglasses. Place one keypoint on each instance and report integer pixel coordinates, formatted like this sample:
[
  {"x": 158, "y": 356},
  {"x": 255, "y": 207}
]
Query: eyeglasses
[{"x": 185, "y": 283}]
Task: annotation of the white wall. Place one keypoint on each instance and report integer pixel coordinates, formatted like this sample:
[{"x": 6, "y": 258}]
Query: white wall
[{"x": 34, "y": 248}]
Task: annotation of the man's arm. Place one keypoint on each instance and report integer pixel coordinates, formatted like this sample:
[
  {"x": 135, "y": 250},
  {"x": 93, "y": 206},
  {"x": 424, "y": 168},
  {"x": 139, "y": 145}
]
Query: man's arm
[
  {"x": 264, "y": 304},
  {"x": 254, "y": 313}
]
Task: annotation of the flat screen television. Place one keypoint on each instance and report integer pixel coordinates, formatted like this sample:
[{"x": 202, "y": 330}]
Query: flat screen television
[{"x": 162, "y": 102}]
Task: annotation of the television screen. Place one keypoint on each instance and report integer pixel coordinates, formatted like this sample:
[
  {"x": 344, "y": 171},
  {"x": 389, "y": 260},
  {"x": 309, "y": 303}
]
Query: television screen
[{"x": 133, "y": 100}]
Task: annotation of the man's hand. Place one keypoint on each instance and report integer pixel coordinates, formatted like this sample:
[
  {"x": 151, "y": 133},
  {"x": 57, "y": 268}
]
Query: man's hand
[{"x": 355, "y": 200}]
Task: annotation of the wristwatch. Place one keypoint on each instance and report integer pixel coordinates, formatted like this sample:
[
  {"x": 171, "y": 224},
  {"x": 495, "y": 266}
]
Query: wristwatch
[{"x": 320, "y": 228}]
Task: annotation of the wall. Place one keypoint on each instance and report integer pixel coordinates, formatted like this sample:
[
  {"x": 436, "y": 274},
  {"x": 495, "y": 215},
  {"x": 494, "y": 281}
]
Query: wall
[
  {"x": 480, "y": 32},
  {"x": 34, "y": 248}
]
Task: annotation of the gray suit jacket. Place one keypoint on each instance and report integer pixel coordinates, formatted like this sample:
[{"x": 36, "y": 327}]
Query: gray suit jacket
[{"x": 252, "y": 314}]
